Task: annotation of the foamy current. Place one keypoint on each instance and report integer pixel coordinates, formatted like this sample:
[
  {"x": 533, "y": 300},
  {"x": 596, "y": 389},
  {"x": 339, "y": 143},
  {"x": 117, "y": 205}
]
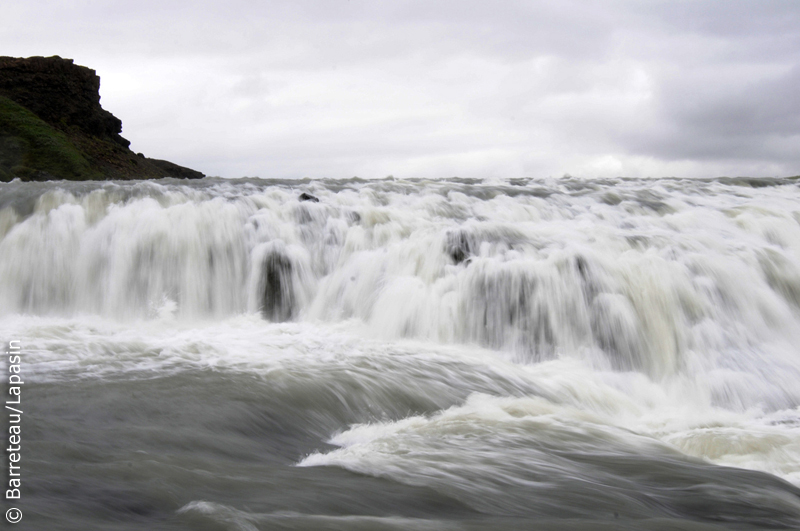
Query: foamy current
[{"x": 616, "y": 350}]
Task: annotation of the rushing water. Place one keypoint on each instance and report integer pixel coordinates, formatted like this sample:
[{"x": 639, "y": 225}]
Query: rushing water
[{"x": 566, "y": 354}]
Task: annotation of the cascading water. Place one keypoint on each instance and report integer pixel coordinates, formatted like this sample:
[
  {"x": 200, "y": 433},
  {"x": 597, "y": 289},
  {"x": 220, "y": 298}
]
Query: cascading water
[{"x": 560, "y": 349}]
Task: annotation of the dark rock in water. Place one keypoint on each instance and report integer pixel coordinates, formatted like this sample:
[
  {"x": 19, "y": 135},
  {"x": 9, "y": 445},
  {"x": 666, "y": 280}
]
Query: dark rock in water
[
  {"x": 275, "y": 288},
  {"x": 308, "y": 197},
  {"x": 458, "y": 246},
  {"x": 53, "y": 127}
]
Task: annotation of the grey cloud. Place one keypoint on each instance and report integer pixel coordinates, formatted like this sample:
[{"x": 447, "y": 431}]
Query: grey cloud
[
  {"x": 702, "y": 118},
  {"x": 325, "y": 88},
  {"x": 748, "y": 109}
]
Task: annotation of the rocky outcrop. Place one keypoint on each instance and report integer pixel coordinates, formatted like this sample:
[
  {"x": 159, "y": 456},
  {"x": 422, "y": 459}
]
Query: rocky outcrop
[
  {"x": 52, "y": 126},
  {"x": 60, "y": 93}
]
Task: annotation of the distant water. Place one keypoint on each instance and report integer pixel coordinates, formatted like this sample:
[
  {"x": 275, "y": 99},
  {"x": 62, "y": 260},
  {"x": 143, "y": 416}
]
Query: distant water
[{"x": 458, "y": 354}]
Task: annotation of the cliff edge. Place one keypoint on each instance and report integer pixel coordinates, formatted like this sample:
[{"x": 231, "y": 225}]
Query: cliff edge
[{"x": 53, "y": 127}]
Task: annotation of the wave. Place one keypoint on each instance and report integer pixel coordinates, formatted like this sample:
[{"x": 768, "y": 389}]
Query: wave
[{"x": 660, "y": 277}]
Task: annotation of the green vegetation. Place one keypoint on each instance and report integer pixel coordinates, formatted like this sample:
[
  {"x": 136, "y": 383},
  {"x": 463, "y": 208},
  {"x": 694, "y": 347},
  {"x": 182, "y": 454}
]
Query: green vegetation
[{"x": 30, "y": 148}]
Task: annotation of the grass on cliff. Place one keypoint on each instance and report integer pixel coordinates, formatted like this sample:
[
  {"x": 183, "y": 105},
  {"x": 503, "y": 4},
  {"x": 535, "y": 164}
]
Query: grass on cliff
[{"x": 30, "y": 148}]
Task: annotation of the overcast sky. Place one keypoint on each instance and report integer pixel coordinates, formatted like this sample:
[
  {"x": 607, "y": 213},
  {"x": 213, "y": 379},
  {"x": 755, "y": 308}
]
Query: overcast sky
[{"x": 333, "y": 88}]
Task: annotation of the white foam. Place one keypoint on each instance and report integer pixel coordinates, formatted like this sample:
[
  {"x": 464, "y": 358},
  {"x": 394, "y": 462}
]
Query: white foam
[{"x": 661, "y": 311}]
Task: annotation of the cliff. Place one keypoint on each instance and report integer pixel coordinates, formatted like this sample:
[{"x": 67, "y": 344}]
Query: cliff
[{"x": 52, "y": 126}]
